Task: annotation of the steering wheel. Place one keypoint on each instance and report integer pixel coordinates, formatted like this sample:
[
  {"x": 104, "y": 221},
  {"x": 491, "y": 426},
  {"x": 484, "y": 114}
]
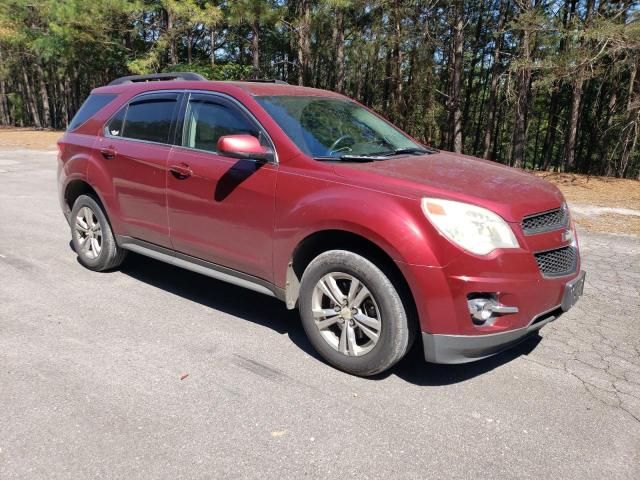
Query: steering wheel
[{"x": 334, "y": 146}]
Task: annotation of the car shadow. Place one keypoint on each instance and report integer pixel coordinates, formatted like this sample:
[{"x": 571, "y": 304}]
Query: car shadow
[
  {"x": 413, "y": 368},
  {"x": 217, "y": 295},
  {"x": 233, "y": 177},
  {"x": 270, "y": 312}
]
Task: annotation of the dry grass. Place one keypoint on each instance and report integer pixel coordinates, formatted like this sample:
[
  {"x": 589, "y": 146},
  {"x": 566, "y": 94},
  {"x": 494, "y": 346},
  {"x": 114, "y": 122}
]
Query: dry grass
[
  {"x": 585, "y": 190},
  {"x": 28, "y": 138},
  {"x": 600, "y": 191}
]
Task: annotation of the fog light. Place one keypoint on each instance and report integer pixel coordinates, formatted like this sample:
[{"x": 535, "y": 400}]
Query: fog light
[{"x": 483, "y": 309}]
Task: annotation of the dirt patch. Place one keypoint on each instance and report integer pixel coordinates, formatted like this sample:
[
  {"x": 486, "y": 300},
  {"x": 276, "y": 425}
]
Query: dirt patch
[
  {"x": 609, "y": 223},
  {"x": 600, "y": 204},
  {"x": 598, "y": 191},
  {"x": 27, "y": 138}
]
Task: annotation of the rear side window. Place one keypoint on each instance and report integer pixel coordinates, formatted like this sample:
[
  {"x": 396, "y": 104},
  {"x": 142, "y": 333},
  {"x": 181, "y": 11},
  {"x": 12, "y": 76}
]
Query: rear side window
[
  {"x": 92, "y": 105},
  {"x": 148, "y": 118}
]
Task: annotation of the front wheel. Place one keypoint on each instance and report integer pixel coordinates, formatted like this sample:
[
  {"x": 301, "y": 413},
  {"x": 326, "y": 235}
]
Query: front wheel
[{"x": 352, "y": 313}]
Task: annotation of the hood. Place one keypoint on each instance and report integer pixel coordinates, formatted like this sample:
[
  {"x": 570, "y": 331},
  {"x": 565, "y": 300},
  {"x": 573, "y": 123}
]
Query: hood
[{"x": 509, "y": 192}]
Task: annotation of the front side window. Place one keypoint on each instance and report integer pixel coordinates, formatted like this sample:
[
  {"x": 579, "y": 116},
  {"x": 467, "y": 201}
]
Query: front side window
[
  {"x": 333, "y": 127},
  {"x": 148, "y": 118},
  {"x": 206, "y": 120}
]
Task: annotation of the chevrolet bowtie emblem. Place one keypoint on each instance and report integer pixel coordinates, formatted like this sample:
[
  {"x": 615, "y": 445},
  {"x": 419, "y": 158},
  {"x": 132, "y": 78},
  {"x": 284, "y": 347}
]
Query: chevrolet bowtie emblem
[{"x": 567, "y": 236}]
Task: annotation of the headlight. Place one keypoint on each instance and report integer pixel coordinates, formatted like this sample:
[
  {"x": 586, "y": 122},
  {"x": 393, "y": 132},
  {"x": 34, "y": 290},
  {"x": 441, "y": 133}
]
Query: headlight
[{"x": 475, "y": 229}]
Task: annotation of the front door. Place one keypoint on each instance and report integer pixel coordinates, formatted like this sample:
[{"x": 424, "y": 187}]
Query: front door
[{"x": 220, "y": 209}]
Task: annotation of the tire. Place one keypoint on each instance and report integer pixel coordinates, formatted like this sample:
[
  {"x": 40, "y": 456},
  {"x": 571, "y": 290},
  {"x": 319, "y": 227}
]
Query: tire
[
  {"x": 358, "y": 354},
  {"x": 92, "y": 237}
]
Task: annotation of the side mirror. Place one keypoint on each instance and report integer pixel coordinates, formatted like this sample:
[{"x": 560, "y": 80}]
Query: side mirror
[{"x": 244, "y": 146}]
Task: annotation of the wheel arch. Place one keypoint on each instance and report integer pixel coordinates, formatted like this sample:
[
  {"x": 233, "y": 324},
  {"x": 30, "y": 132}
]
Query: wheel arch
[
  {"x": 337, "y": 239},
  {"x": 78, "y": 187}
]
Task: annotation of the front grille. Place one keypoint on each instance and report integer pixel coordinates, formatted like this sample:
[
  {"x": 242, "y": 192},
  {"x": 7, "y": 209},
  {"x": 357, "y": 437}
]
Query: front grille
[
  {"x": 558, "y": 262},
  {"x": 546, "y": 221}
]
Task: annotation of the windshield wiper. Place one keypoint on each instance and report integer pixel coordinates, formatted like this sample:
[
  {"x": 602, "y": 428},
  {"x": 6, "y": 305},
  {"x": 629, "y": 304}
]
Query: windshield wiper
[
  {"x": 377, "y": 156},
  {"x": 352, "y": 158},
  {"x": 401, "y": 151}
]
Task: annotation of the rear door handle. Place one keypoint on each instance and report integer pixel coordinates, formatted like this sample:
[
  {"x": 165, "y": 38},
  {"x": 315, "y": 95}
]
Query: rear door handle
[
  {"x": 181, "y": 171},
  {"x": 108, "y": 152}
]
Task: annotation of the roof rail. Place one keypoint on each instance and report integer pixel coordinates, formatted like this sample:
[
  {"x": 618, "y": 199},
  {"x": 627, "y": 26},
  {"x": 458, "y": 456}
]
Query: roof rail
[
  {"x": 157, "y": 77},
  {"x": 270, "y": 80}
]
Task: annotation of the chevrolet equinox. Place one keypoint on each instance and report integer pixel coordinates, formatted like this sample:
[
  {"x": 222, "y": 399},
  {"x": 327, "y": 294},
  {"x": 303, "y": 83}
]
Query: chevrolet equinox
[{"x": 312, "y": 198}]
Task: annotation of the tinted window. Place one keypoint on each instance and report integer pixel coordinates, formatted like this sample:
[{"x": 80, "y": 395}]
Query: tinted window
[
  {"x": 149, "y": 119},
  {"x": 89, "y": 108},
  {"x": 206, "y": 121},
  {"x": 114, "y": 127}
]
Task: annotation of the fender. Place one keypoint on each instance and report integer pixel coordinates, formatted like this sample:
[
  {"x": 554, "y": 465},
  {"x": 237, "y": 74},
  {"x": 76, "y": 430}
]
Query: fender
[
  {"x": 74, "y": 158},
  {"x": 395, "y": 224}
]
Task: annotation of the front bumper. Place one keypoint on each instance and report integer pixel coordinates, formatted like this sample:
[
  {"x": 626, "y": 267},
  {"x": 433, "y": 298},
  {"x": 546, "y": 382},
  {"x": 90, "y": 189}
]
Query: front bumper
[{"x": 446, "y": 348}]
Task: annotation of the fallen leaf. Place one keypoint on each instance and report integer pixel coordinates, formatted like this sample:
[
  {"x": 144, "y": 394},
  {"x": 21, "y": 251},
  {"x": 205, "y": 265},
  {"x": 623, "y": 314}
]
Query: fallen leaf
[{"x": 278, "y": 433}]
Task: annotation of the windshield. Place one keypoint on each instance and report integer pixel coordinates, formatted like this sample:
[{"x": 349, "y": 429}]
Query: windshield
[{"x": 327, "y": 128}]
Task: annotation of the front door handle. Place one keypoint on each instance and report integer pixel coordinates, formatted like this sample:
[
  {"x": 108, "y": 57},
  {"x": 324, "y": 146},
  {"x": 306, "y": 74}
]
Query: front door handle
[
  {"x": 181, "y": 171},
  {"x": 108, "y": 152}
]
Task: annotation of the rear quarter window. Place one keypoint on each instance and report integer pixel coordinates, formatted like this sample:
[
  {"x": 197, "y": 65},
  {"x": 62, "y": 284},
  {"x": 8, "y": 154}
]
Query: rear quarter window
[{"x": 92, "y": 105}]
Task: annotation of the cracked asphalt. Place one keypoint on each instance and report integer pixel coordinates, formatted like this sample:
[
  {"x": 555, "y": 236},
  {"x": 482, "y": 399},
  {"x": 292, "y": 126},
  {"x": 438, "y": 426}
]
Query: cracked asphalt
[{"x": 154, "y": 372}]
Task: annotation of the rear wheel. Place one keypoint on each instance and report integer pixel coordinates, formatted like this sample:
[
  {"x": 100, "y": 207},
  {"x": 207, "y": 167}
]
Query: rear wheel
[
  {"x": 352, "y": 313},
  {"x": 92, "y": 237}
]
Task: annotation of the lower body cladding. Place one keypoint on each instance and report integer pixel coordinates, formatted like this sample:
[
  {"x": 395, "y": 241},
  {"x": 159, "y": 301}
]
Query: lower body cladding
[{"x": 449, "y": 348}]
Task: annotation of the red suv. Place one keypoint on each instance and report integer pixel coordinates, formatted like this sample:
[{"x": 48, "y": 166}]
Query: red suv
[{"x": 312, "y": 198}]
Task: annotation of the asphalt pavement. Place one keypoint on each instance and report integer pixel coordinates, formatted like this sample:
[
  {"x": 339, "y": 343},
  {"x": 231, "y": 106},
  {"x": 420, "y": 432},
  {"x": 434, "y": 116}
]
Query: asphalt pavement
[{"x": 152, "y": 372}]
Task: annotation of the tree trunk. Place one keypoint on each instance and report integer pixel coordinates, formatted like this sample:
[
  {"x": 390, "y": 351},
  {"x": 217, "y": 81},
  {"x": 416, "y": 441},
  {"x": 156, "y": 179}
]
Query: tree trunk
[
  {"x": 633, "y": 120},
  {"x": 576, "y": 99},
  {"x": 255, "y": 51},
  {"x": 477, "y": 56},
  {"x": 69, "y": 100},
  {"x": 4, "y": 104},
  {"x": 173, "y": 50},
  {"x": 550, "y": 134},
  {"x": 524, "y": 80},
  {"x": 481, "y": 102},
  {"x": 339, "y": 45},
  {"x": 212, "y": 43},
  {"x": 397, "y": 107},
  {"x": 455, "y": 115},
  {"x": 44, "y": 96},
  {"x": 495, "y": 75},
  {"x": 30, "y": 99},
  {"x": 568, "y": 10},
  {"x": 61, "y": 118},
  {"x": 304, "y": 26}
]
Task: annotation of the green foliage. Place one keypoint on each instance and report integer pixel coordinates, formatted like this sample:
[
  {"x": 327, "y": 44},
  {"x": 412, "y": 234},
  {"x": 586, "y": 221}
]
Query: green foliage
[
  {"x": 228, "y": 71},
  {"x": 395, "y": 56}
]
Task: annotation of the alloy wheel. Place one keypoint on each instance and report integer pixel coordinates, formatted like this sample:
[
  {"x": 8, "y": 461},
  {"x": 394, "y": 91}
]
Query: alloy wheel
[
  {"x": 346, "y": 314},
  {"x": 89, "y": 233}
]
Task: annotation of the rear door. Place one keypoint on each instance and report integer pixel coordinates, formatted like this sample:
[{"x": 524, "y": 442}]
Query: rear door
[
  {"x": 221, "y": 209},
  {"x": 135, "y": 148}
]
